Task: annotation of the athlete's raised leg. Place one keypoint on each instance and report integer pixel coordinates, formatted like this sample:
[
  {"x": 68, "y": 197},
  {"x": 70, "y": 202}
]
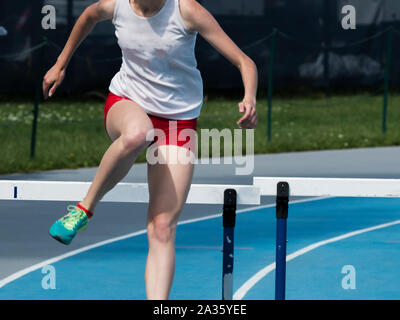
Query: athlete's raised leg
[{"x": 127, "y": 125}]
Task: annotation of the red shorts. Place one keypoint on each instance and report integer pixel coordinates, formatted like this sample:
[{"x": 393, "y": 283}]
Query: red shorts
[{"x": 171, "y": 128}]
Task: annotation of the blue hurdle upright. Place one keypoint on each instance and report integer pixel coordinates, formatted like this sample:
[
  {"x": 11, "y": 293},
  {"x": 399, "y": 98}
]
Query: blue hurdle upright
[
  {"x": 282, "y": 208},
  {"x": 229, "y": 220}
]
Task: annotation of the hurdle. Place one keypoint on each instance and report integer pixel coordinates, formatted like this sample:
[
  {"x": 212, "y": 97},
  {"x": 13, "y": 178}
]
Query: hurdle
[
  {"x": 122, "y": 192},
  {"x": 284, "y": 187},
  {"x": 227, "y": 195}
]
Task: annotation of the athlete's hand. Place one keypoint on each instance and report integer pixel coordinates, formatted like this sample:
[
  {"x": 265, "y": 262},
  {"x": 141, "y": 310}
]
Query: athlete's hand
[
  {"x": 249, "y": 120},
  {"x": 52, "y": 80}
]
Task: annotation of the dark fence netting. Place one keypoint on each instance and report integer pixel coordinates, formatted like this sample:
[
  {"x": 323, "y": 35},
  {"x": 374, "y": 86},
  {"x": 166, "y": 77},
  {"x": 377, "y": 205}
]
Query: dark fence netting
[{"x": 311, "y": 47}]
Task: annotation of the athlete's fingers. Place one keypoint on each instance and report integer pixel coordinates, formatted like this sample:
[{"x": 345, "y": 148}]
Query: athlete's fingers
[
  {"x": 253, "y": 114},
  {"x": 248, "y": 108},
  {"x": 249, "y": 125},
  {"x": 53, "y": 89},
  {"x": 246, "y": 124},
  {"x": 48, "y": 81},
  {"x": 251, "y": 121},
  {"x": 46, "y": 85},
  {"x": 241, "y": 110},
  {"x": 244, "y": 117},
  {"x": 52, "y": 81},
  {"x": 241, "y": 107}
]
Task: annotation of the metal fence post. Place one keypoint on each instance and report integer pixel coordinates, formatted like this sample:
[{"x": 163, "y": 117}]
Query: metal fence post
[
  {"x": 387, "y": 78},
  {"x": 38, "y": 94},
  {"x": 270, "y": 82}
]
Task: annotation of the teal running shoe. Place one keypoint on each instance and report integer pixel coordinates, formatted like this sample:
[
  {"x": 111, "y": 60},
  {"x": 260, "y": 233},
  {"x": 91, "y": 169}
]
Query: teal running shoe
[{"x": 66, "y": 228}]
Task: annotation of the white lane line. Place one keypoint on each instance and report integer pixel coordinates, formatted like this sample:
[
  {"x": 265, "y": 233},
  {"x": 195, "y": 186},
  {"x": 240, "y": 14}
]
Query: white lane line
[
  {"x": 244, "y": 289},
  {"x": 25, "y": 271},
  {"x": 37, "y": 266}
]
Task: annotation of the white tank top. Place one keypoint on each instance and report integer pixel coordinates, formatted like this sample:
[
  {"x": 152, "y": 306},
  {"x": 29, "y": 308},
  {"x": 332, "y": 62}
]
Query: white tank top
[{"x": 159, "y": 67}]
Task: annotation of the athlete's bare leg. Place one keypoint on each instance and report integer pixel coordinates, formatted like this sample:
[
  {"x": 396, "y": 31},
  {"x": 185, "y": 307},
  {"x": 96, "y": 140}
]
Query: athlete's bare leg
[
  {"x": 127, "y": 125},
  {"x": 169, "y": 185}
]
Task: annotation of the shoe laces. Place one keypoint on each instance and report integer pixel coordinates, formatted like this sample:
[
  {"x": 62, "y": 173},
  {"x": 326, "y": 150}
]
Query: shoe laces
[{"x": 74, "y": 216}]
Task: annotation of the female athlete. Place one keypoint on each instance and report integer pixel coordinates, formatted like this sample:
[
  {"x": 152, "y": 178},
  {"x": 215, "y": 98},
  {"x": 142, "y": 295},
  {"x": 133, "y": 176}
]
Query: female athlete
[{"x": 158, "y": 83}]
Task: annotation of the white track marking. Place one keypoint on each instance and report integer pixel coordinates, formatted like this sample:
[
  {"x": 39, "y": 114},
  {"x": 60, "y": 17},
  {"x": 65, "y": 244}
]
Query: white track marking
[
  {"x": 25, "y": 271},
  {"x": 242, "y": 291},
  {"x": 37, "y": 266}
]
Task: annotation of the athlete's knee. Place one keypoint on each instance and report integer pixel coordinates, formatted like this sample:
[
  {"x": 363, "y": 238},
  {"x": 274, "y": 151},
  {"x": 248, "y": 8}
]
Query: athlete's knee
[
  {"x": 134, "y": 139},
  {"x": 161, "y": 229}
]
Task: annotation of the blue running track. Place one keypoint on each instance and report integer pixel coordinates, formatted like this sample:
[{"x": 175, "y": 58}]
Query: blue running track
[{"x": 116, "y": 270}]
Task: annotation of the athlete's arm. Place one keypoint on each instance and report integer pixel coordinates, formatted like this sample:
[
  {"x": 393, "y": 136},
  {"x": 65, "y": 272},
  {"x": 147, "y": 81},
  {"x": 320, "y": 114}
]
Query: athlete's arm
[
  {"x": 199, "y": 19},
  {"x": 99, "y": 11}
]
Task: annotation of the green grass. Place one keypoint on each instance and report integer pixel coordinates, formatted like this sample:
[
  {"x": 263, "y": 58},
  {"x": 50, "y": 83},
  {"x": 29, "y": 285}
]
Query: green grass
[{"x": 71, "y": 134}]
